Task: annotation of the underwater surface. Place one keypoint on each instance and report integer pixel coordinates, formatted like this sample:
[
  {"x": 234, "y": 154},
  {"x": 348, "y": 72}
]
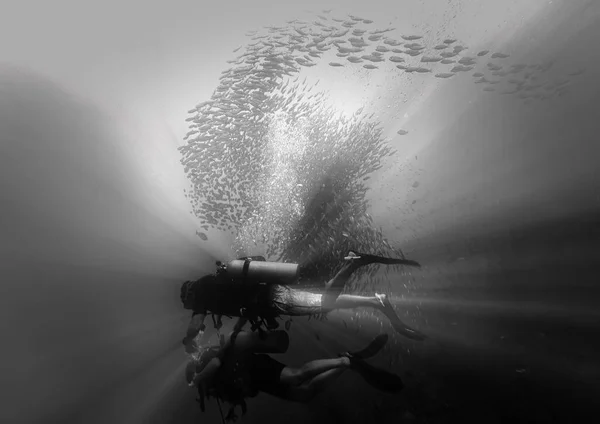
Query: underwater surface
[{"x": 140, "y": 143}]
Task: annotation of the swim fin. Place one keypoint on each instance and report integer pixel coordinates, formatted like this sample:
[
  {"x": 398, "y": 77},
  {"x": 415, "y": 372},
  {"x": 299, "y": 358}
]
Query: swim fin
[
  {"x": 376, "y": 377},
  {"x": 364, "y": 258},
  {"x": 372, "y": 349}
]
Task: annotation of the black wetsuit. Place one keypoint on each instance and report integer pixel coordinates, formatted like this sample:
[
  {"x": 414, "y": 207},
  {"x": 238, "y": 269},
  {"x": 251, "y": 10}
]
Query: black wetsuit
[
  {"x": 248, "y": 374},
  {"x": 265, "y": 374},
  {"x": 223, "y": 296}
]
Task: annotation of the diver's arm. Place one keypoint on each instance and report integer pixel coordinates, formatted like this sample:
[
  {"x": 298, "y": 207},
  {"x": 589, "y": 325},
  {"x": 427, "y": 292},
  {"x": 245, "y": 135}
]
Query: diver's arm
[
  {"x": 217, "y": 321},
  {"x": 195, "y": 326}
]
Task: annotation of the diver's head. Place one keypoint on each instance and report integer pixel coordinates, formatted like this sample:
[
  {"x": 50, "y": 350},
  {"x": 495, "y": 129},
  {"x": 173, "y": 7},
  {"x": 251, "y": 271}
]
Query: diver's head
[
  {"x": 192, "y": 290},
  {"x": 187, "y": 294}
]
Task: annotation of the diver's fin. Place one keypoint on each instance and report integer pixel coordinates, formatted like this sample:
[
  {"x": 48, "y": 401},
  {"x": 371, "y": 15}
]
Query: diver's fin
[
  {"x": 365, "y": 259},
  {"x": 372, "y": 349},
  {"x": 378, "y": 378},
  {"x": 399, "y": 326}
]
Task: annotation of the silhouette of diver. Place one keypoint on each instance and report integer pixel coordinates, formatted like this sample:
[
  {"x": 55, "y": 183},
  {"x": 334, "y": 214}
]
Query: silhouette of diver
[
  {"x": 241, "y": 368},
  {"x": 220, "y": 295}
]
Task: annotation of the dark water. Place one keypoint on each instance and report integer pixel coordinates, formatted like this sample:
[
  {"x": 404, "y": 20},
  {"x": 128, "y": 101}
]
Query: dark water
[{"x": 510, "y": 242}]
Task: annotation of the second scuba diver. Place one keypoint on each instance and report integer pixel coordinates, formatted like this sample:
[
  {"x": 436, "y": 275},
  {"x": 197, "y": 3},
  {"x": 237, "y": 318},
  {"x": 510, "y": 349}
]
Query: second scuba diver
[{"x": 242, "y": 367}]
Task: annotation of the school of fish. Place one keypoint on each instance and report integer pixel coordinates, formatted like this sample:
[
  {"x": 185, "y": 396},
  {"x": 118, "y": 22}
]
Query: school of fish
[{"x": 273, "y": 163}]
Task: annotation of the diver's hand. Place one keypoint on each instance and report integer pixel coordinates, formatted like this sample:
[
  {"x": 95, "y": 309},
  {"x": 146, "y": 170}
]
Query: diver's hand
[{"x": 190, "y": 345}]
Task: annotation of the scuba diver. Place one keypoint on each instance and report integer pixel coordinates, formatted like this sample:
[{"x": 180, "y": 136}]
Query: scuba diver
[
  {"x": 241, "y": 368},
  {"x": 257, "y": 291}
]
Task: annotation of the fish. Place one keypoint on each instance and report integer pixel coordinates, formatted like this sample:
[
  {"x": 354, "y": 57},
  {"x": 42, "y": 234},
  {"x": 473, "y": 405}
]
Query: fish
[
  {"x": 447, "y": 55},
  {"x": 349, "y": 50},
  {"x": 430, "y": 59},
  {"x": 466, "y": 61},
  {"x": 449, "y": 40},
  {"x": 499, "y": 56},
  {"x": 412, "y": 37},
  {"x": 335, "y": 64},
  {"x": 228, "y": 138},
  {"x": 461, "y": 68},
  {"x": 392, "y": 42},
  {"x": 367, "y": 66},
  {"x": 354, "y": 59},
  {"x": 483, "y": 53},
  {"x": 401, "y": 132},
  {"x": 372, "y": 58}
]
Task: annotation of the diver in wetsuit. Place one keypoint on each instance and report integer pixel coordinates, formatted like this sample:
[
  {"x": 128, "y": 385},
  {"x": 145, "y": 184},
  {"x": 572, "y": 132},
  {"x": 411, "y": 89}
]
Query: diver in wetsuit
[
  {"x": 242, "y": 368},
  {"x": 220, "y": 295}
]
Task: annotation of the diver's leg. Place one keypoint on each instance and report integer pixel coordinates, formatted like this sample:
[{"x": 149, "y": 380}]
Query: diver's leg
[
  {"x": 306, "y": 392},
  {"x": 381, "y": 303},
  {"x": 314, "y": 369},
  {"x": 388, "y": 310},
  {"x": 334, "y": 287},
  {"x": 377, "y": 378},
  {"x": 297, "y": 376},
  {"x": 350, "y": 301}
]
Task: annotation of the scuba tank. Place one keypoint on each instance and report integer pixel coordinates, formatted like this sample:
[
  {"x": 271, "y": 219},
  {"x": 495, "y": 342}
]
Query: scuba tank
[{"x": 262, "y": 271}]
